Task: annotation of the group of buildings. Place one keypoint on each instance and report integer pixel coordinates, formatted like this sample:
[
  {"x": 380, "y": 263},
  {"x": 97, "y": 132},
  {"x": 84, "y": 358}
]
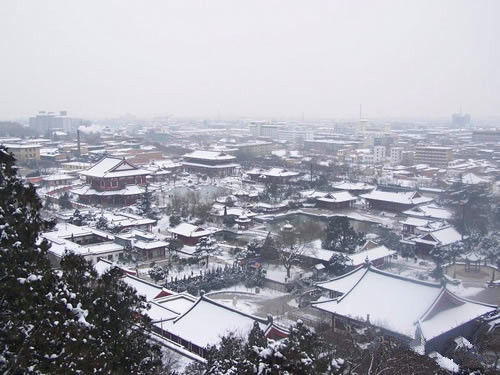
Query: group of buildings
[{"x": 373, "y": 175}]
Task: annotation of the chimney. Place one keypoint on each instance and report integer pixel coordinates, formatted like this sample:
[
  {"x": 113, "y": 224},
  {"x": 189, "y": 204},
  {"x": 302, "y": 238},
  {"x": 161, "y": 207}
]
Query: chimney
[{"x": 78, "y": 142}]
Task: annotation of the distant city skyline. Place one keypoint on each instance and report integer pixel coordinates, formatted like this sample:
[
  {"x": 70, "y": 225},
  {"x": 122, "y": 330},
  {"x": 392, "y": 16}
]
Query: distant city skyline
[{"x": 403, "y": 60}]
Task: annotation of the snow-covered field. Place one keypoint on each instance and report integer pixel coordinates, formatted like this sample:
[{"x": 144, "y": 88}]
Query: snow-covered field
[{"x": 277, "y": 272}]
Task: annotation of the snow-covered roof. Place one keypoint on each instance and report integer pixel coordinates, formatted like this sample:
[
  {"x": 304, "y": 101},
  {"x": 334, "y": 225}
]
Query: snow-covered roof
[
  {"x": 113, "y": 167},
  {"x": 218, "y": 166},
  {"x": 233, "y": 211},
  {"x": 104, "y": 265},
  {"x": 62, "y": 239},
  {"x": 353, "y": 186},
  {"x": 189, "y": 230},
  {"x": 459, "y": 311},
  {"x": 442, "y": 237},
  {"x": 209, "y": 155},
  {"x": 146, "y": 245},
  {"x": 410, "y": 197},
  {"x": 344, "y": 283},
  {"x": 158, "y": 313},
  {"x": 57, "y": 177},
  {"x": 429, "y": 210},
  {"x": 355, "y": 260},
  {"x": 402, "y": 305},
  {"x": 372, "y": 255},
  {"x": 145, "y": 288},
  {"x": 414, "y": 222},
  {"x": 207, "y": 321},
  {"x": 165, "y": 163},
  {"x": 338, "y": 197},
  {"x": 472, "y": 179},
  {"x": 127, "y": 190},
  {"x": 180, "y": 303},
  {"x": 279, "y": 172}
]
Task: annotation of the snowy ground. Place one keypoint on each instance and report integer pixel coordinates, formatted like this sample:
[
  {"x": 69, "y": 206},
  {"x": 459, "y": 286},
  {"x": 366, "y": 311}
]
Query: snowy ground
[
  {"x": 277, "y": 272},
  {"x": 409, "y": 268},
  {"x": 283, "y": 307}
]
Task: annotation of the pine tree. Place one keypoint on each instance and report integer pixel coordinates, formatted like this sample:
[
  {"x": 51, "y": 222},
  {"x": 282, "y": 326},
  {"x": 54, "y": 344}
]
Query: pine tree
[
  {"x": 205, "y": 247},
  {"x": 116, "y": 332},
  {"x": 175, "y": 220},
  {"x": 61, "y": 323},
  {"x": 65, "y": 201},
  {"x": 102, "y": 223},
  {"x": 77, "y": 218},
  {"x": 145, "y": 204},
  {"x": 157, "y": 273},
  {"x": 30, "y": 315},
  {"x": 340, "y": 236},
  {"x": 256, "y": 336}
]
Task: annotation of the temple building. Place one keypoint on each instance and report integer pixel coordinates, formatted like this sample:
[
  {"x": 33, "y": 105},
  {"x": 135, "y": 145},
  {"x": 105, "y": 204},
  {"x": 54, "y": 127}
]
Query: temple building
[
  {"x": 394, "y": 201},
  {"x": 424, "y": 315},
  {"x": 112, "y": 182},
  {"x": 211, "y": 163}
]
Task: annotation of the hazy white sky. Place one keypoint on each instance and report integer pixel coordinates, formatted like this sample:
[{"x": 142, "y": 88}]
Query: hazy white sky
[{"x": 260, "y": 58}]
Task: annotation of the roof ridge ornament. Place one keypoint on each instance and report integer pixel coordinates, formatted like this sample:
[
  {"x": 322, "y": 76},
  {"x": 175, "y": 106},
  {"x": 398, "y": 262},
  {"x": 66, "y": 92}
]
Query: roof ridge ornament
[{"x": 367, "y": 262}]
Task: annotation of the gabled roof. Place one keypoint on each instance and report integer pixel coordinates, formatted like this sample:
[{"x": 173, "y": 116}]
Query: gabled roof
[
  {"x": 407, "y": 197},
  {"x": 353, "y": 186},
  {"x": 104, "y": 265},
  {"x": 344, "y": 283},
  {"x": 279, "y": 172},
  {"x": 180, "y": 303},
  {"x": 209, "y": 155},
  {"x": 430, "y": 211},
  {"x": 207, "y": 321},
  {"x": 404, "y": 306},
  {"x": 189, "y": 230},
  {"x": 149, "y": 290},
  {"x": 449, "y": 311},
  {"x": 441, "y": 237},
  {"x": 113, "y": 167},
  {"x": 338, "y": 197}
]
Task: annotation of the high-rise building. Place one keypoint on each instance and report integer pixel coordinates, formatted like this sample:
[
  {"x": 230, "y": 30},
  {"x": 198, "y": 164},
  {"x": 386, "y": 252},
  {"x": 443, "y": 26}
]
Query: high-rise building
[
  {"x": 460, "y": 120},
  {"x": 396, "y": 155},
  {"x": 378, "y": 154},
  {"x": 261, "y": 129},
  {"x": 433, "y": 155},
  {"x": 47, "y": 121},
  {"x": 487, "y": 136}
]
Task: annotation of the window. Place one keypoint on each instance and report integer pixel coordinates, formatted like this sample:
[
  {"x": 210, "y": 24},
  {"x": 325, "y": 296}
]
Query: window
[{"x": 110, "y": 257}]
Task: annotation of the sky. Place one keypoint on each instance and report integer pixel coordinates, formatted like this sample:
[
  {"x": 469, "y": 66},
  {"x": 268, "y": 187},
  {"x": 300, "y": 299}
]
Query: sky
[{"x": 257, "y": 58}]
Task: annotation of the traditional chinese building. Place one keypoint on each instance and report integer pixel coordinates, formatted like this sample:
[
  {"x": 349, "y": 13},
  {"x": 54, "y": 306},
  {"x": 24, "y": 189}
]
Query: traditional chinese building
[
  {"x": 189, "y": 234},
  {"x": 211, "y": 163},
  {"x": 394, "y": 201},
  {"x": 336, "y": 201},
  {"x": 112, "y": 181},
  {"x": 424, "y": 315}
]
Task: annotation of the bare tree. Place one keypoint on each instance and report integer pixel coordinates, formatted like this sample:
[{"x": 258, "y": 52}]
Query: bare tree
[{"x": 290, "y": 249}]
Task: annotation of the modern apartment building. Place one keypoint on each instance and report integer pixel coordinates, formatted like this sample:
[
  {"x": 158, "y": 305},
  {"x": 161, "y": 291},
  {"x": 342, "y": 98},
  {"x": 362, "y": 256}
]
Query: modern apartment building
[
  {"x": 433, "y": 155},
  {"x": 378, "y": 154},
  {"x": 396, "y": 155},
  {"x": 23, "y": 152}
]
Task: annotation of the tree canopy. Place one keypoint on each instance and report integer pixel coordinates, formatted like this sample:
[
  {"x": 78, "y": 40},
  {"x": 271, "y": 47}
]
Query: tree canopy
[
  {"x": 73, "y": 321},
  {"x": 341, "y": 236}
]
